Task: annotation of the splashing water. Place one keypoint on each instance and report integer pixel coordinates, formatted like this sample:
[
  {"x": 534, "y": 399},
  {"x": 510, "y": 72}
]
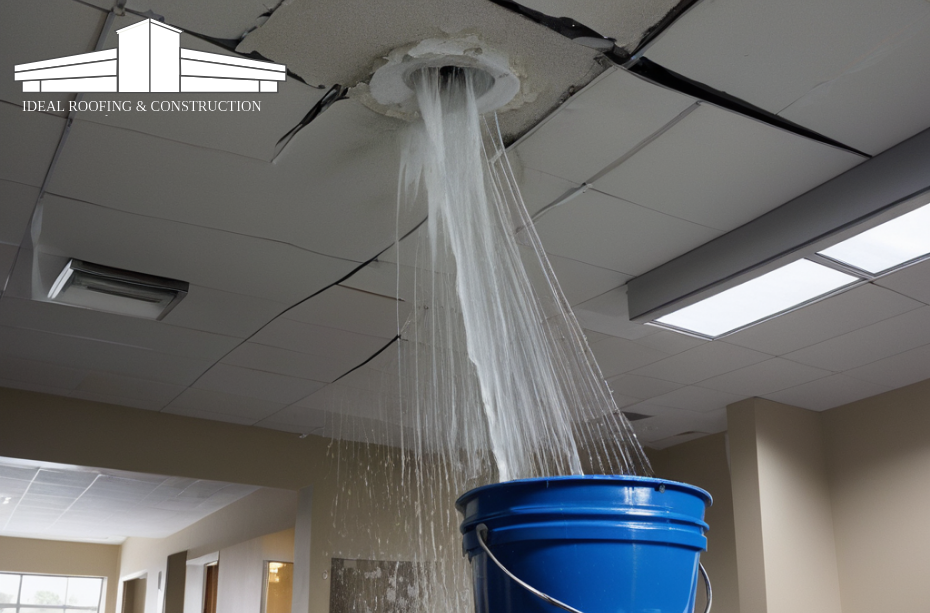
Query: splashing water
[{"x": 492, "y": 378}]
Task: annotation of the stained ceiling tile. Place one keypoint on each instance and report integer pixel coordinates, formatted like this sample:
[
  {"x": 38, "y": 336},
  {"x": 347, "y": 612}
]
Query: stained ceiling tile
[
  {"x": 829, "y": 392},
  {"x": 878, "y": 100},
  {"x": 772, "y": 53},
  {"x": 765, "y": 378},
  {"x": 599, "y": 125},
  {"x": 257, "y": 384},
  {"x": 352, "y": 310},
  {"x": 703, "y": 362},
  {"x": 699, "y": 399},
  {"x": 869, "y": 344},
  {"x": 898, "y": 370},
  {"x": 204, "y": 256},
  {"x": 36, "y": 137},
  {"x": 604, "y": 231},
  {"x": 18, "y": 201},
  {"x": 24, "y": 38},
  {"x": 837, "y": 315},
  {"x": 619, "y": 355},
  {"x": 913, "y": 281},
  {"x": 286, "y": 362},
  {"x": 720, "y": 169}
]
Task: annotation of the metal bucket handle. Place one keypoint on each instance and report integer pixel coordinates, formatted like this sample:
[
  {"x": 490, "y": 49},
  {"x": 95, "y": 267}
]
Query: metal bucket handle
[{"x": 481, "y": 532}]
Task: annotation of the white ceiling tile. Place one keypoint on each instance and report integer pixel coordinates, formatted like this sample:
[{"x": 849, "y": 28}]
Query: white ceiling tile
[
  {"x": 611, "y": 233},
  {"x": 898, "y": 370},
  {"x": 304, "y": 418},
  {"x": 285, "y": 362},
  {"x": 857, "y": 308},
  {"x": 87, "y": 323},
  {"x": 669, "y": 342},
  {"x": 678, "y": 439},
  {"x": 213, "y": 310},
  {"x": 592, "y": 337},
  {"x": 36, "y": 137},
  {"x": 699, "y": 399},
  {"x": 108, "y": 384},
  {"x": 198, "y": 255},
  {"x": 34, "y": 387},
  {"x": 7, "y": 258},
  {"x": 720, "y": 169},
  {"x": 17, "y": 201},
  {"x": 619, "y": 355},
  {"x": 608, "y": 315},
  {"x": 352, "y": 310},
  {"x": 25, "y": 36},
  {"x": 257, "y": 384},
  {"x": 65, "y": 478},
  {"x": 100, "y": 356},
  {"x": 765, "y": 378},
  {"x": 876, "y": 101},
  {"x": 346, "y": 349},
  {"x": 772, "y": 53},
  {"x": 149, "y": 404},
  {"x": 287, "y": 427},
  {"x": 828, "y": 392},
  {"x": 913, "y": 281},
  {"x": 600, "y": 125},
  {"x": 539, "y": 189},
  {"x": 869, "y": 344},
  {"x": 19, "y": 473},
  {"x": 581, "y": 282},
  {"x": 644, "y": 388},
  {"x": 340, "y": 172},
  {"x": 703, "y": 362},
  {"x": 672, "y": 422},
  {"x": 376, "y": 277}
]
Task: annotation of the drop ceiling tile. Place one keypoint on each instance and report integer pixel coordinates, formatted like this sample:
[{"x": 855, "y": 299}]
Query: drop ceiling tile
[
  {"x": 305, "y": 419},
  {"x": 65, "y": 478},
  {"x": 351, "y": 310},
  {"x": 599, "y": 125},
  {"x": 772, "y": 53},
  {"x": 539, "y": 189},
  {"x": 913, "y": 281},
  {"x": 89, "y": 324},
  {"x": 581, "y": 282},
  {"x": 869, "y": 344},
  {"x": 765, "y": 378},
  {"x": 18, "y": 201},
  {"x": 36, "y": 137},
  {"x": 203, "y": 256},
  {"x": 228, "y": 19},
  {"x": 898, "y": 370},
  {"x": 257, "y": 384},
  {"x": 703, "y": 362},
  {"x": 39, "y": 490},
  {"x": 32, "y": 503},
  {"x": 99, "y": 356},
  {"x": 644, "y": 388},
  {"x": 673, "y": 422},
  {"x": 7, "y": 258},
  {"x": 26, "y": 36},
  {"x": 608, "y": 315},
  {"x": 840, "y": 314},
  {"x": 876, "y": 101},
  {"x": 619, "y": 355},
  {"x": 336, "y": 174},
  {"x": 34, "y": 387},
  {"x": 669, "y": 342},
  {"x": 828, "y": 392},
  {"x": 377, "y": 278},
  {"x": 18, "y": 473},
  {"x": 346, "y": 349},
  {"x": 226, "y": 313},
  {"x": 287, "y": 427},
  {"x": 678, "y": 439},
  {"x": 720, "y": 169},
  {"x": 698, "y": 399},
  {"x": 107, "y": 384},
  {"x": 148, "y": 404},
  {"x": 604, "y": 231},
  {"x": 285, "y": 362}
]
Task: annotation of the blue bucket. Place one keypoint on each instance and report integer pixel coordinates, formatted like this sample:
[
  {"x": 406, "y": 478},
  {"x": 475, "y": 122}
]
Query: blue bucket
[{"x": 599, "y": 544}]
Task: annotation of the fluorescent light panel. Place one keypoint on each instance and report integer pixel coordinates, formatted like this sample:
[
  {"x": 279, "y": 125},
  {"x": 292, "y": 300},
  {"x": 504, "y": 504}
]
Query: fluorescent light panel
[
  {"x": 888, "y": 245},
  {"x": 761, "y": 298}
]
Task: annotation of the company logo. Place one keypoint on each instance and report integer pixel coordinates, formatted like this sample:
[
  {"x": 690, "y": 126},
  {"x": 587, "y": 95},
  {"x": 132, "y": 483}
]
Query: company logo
[{"x": 149, "y": 58}]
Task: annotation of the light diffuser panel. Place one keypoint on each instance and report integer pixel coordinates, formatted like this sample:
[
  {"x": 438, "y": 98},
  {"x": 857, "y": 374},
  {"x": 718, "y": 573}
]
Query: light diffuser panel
[
  {"x": 891, "y": 244},
  {"x": 758, "y": 299}
]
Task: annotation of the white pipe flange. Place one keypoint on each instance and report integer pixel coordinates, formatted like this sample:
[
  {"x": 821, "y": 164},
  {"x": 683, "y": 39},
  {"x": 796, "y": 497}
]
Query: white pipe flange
[{"x": 390, "y": 85}]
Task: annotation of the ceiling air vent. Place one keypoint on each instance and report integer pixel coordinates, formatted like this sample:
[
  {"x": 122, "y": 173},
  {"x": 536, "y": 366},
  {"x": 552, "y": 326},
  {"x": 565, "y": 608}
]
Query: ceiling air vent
[{"x": 117, "y": 291}]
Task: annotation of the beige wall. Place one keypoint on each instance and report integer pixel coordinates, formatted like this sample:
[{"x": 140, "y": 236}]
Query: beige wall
[
  {"x": 61, "y": 558},
  {"x": 878, "y": 459},
  {"x": 703, "y": 462}
]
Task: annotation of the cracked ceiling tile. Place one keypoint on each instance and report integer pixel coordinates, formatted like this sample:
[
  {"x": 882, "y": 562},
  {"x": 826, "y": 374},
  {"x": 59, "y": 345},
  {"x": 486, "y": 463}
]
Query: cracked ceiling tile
[{"x": 341, "y": 42}]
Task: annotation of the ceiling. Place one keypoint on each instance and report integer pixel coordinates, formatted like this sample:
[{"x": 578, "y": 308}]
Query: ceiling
[
  {"x": 75, "y": 503},
  {"x": 288, "y": 251}
]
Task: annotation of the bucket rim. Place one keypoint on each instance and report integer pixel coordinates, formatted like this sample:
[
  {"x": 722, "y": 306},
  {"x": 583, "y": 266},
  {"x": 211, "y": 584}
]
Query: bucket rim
[{"x": 637, "y": 479}]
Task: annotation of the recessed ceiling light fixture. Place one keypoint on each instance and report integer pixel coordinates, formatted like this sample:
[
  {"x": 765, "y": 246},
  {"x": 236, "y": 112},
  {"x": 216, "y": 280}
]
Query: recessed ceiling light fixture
[
  {"x": 112, "y": 290},
  {"x": 865, "y": 223}
]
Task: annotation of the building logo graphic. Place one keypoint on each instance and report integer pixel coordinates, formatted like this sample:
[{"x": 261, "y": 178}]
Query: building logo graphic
[{"x": 150, "y": 59}]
